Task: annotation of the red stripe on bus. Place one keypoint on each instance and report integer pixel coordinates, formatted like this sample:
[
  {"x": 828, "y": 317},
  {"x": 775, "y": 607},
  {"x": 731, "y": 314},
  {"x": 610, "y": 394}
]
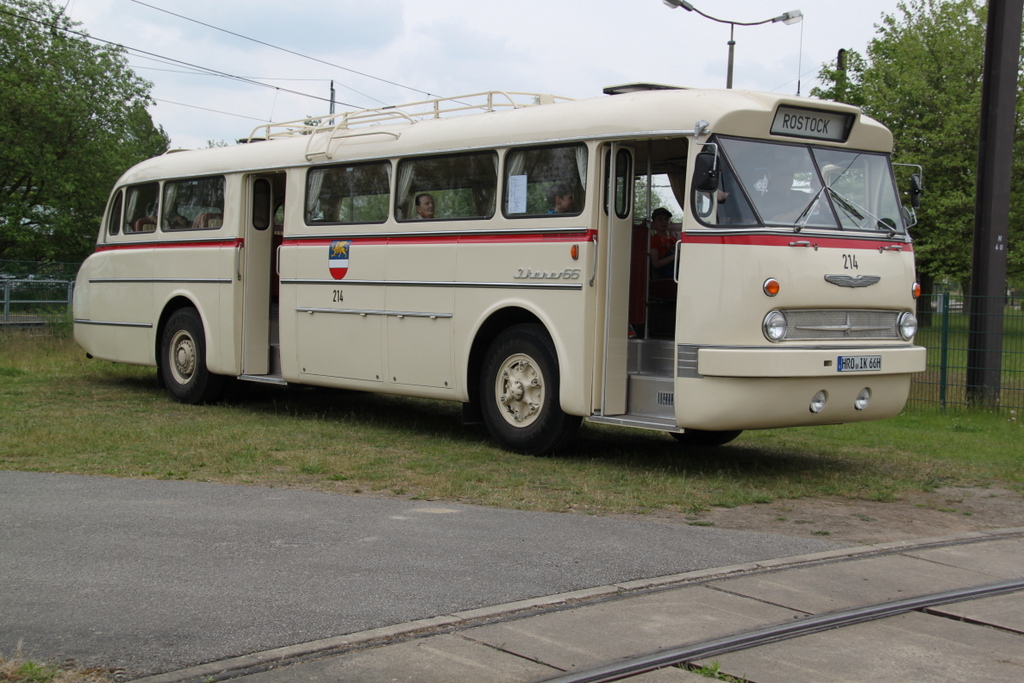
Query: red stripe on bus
[
  {"x": 169, "y": 245},
  {"x": 789, "y": 240},
  {"x": 581, "y": 236}
]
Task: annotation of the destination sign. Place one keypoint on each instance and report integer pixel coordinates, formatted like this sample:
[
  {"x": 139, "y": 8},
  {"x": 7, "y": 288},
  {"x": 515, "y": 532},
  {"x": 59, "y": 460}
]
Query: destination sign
[{"x": 812, "y": 123}]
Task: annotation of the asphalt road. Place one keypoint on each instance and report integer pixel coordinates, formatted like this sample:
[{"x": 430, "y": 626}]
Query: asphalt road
[{"x": 152, "y": 576}]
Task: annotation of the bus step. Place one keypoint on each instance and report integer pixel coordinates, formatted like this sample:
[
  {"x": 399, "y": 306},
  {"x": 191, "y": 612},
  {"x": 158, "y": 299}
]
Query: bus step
[
  {"x": 638, "y": 421},
  {"x": 264, "y": 379},
  {"x": 651, "y": 357},
  {"x": 652, "y": 396}
]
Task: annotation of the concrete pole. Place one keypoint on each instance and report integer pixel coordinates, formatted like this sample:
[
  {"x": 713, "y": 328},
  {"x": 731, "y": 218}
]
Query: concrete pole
[{"x": 992, "y": 202}]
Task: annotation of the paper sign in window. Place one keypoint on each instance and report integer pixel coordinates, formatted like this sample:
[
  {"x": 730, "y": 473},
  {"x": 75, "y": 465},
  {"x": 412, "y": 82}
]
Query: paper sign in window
[{"x": 517, "y": 194}]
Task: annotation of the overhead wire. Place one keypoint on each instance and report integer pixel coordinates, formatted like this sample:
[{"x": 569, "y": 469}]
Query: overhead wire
[
  {"x": 292, "y": 52},
  {"x": 215, "y": 111},
  {"x": 202, "y": 70}
]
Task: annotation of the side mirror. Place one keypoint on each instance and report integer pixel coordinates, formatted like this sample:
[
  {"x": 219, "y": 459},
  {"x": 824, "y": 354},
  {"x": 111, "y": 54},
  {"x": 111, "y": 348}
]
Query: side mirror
[
  {"x": 705, "y": 171},
  {"x": 909, "y": 217},
  {"x": 916, "y": 190}
]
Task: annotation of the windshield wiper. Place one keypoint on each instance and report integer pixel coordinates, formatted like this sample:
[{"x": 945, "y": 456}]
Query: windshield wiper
[
  {"x": 806, "y": 213},
  {"x": 851, "y": 208},
  {"x": 846, "y": 205}
]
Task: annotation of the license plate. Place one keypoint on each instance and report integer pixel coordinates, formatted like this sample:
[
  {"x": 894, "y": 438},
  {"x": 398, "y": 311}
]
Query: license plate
[{"x": 860, "y": 363}]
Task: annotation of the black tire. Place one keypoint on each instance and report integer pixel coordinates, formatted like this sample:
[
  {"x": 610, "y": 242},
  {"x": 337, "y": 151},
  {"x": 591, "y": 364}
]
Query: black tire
[
  {"x": 183, "y": 360},
  {"x": 701, "y": 437},
  {"x": 519, "y": 389}
]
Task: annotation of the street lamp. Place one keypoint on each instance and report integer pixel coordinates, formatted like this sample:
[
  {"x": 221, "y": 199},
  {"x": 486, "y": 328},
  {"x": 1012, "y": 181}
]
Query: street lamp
[{"x": 791, "y": 17}]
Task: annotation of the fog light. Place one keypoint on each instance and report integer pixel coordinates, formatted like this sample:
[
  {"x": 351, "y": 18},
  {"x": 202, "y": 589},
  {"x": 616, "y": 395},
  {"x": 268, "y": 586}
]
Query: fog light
[
  {"x": 818, "y": 401},
  {"x": 862, "y": 400}
]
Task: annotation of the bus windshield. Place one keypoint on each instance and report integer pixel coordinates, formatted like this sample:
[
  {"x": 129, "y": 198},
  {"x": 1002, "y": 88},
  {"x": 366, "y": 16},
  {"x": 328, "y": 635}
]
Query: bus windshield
[{"x": 773, "y": 184}]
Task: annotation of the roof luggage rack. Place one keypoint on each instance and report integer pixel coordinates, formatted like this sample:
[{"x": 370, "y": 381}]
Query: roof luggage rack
[{"x": 324, "y": 131}]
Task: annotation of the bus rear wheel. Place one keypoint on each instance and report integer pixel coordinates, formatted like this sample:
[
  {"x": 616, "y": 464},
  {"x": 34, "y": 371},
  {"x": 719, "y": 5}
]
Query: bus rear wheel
[
  {"x": 519, "y": 388},
  {"x": 701, "y": 437},
  {"x": 183, "y": 360}
]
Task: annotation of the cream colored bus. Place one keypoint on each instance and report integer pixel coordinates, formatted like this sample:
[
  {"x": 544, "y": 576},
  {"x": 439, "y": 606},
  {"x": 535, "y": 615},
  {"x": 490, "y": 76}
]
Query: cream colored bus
[{"x": 496, "y": 250}]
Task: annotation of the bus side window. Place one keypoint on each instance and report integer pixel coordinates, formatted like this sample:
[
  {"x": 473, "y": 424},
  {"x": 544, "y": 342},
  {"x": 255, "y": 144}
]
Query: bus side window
[
  {"x": 114, "y": 219},
  {"x": 545, "y": 181},
  {"x": 143, "y": 203},
  {"x": 348, "y": 193},
  {"x": 195, "y": 204},
  {"x": 461, "y": 186}
]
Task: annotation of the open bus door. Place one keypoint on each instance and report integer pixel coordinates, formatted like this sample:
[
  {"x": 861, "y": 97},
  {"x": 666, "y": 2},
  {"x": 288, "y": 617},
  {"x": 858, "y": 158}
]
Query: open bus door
[
  {"x": 615, "y": 264},
  {"x": 259, "y": 273}
]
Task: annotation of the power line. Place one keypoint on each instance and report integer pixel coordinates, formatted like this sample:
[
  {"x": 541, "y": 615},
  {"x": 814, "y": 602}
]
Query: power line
[
  {"x": 215, "y": 111},
  {"x": 255, "y": 78},
  {"x": 292, "y": 52},
  {"x": 170, "y": 60},
  {"x": 214, "y": 72}
]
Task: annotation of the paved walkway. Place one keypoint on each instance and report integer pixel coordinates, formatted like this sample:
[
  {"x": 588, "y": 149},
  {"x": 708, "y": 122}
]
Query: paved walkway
[{"x": 534, "y": 640}]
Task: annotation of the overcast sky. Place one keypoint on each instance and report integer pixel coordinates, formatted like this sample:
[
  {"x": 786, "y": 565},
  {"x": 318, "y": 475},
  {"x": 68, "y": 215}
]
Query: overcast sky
[{"x": 451, "y": 47}]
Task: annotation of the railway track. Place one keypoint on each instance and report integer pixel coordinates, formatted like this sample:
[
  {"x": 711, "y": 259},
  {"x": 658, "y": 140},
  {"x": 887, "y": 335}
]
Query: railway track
[{"x": 687, "y": 654}]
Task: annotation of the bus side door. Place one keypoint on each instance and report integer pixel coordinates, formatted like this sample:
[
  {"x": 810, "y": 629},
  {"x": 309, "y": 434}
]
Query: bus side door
[
  {"x": 256, "y": 283},
  {"x": 614, "y": 263}
]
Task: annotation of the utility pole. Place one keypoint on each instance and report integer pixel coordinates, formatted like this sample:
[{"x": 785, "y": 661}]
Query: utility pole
[
  {"x": 992, "y": 202},
  {"x": 841, "y": 75}
]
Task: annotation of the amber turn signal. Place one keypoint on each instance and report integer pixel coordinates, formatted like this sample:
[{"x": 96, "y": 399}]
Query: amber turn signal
[
  {"x": 771, "y": 286},
  {"x": 574, "y": 251},
  {"x": 916, "y": 289}
]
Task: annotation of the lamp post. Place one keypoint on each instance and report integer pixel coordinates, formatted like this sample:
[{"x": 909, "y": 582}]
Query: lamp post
[{"x": 791, "y": 17}]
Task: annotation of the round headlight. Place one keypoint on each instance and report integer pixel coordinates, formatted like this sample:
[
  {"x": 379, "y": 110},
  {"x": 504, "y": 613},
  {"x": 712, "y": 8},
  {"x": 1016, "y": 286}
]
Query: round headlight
[
  {"x": 908, "y": 326},
  {"x": 818, "y": 401},
  {"x": 774, "y": 326}
]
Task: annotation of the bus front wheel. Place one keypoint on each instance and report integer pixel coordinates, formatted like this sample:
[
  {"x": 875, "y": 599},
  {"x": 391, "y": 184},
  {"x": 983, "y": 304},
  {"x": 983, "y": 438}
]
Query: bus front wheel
[
  {"x": 519, "y": 389},
  {"x": 183, "y": 359},
  {"x": 702, "y": 437}
]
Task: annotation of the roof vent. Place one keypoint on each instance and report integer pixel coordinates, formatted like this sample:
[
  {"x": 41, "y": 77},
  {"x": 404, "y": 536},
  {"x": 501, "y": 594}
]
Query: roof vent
[{"x": 638, "y": 87}]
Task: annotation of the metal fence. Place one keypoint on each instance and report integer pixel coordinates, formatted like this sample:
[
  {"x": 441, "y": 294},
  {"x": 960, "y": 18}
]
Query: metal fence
[
  {"x": 35, "y": 302},
  {"x": 944, "y": 330},
  {"x": 36, "y": 295}
]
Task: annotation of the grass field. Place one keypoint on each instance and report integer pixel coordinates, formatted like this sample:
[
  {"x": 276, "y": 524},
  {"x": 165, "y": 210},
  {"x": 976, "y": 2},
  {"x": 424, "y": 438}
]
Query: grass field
[{"x": 64, "y": 413}]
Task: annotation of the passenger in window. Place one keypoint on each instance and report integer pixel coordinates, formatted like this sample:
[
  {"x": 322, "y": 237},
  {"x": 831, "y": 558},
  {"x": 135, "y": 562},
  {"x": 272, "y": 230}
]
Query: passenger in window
[
  {"x": 424, "y": 206},
  {"x": 663, "y": 244},
  {"x": 561, "y": 199}
]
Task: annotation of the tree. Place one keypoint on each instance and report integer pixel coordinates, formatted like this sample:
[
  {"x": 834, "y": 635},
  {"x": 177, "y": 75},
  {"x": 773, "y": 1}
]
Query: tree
[
  {"x": 72, "y": 119},
  {"x": 922, "y": 78}
]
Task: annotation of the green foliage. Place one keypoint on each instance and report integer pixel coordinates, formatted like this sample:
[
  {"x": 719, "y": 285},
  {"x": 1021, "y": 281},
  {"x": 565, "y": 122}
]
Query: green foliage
[
  {"x": 72, "y": 119},
  {"x": 713, "y": 670},
  {"x": 922, "y": 77}
]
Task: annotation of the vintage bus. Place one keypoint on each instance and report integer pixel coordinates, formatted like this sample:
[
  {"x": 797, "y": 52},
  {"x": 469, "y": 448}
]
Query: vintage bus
[{"x": 496, "y": 249}]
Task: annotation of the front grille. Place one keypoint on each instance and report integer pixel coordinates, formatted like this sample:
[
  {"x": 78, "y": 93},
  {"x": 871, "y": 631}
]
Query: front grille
[{"x": 841, "y": 324}]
